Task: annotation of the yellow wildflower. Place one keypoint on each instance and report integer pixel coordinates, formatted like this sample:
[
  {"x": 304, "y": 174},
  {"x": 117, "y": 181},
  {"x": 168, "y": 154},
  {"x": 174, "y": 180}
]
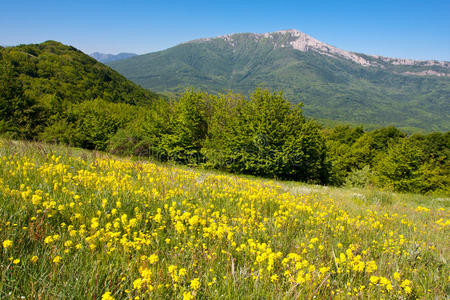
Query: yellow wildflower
[
  {"x": 374, "y": 279},
  {"x": 57, "y": 259},
  {"x": 7, "y": 244},
  {"x": 137, "y": 284},
  {"x": 153, "y": 259},
  {"x": 107, "y": 296},
  {"x": 195, "y": 284},
  {"x": 187, "y": 296}
]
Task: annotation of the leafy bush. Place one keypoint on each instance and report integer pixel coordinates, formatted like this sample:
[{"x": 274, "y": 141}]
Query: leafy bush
[
  {"x": 144, "y": 135},
  {"x": 359, "y": 178},
  {"x": 184, "y": 142},
  {"x": 403, "y": 168}
]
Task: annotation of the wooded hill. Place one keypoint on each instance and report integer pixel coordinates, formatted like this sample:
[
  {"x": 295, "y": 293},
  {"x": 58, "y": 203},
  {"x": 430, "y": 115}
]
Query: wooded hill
[{"x": 43, "y": 84}]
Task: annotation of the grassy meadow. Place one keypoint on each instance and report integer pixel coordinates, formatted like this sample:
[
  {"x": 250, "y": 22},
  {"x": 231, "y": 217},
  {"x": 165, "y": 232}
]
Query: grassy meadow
[{"x": 81, "y": 224}]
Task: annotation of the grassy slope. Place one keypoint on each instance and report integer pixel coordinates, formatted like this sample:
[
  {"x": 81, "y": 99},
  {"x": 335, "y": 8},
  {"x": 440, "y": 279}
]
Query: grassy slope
[
  {"x": 226, "y": 231},
  {"x": 330, "y": 88}
]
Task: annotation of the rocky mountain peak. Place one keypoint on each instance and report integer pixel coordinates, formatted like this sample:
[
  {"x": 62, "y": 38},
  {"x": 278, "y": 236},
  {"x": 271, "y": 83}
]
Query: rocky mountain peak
[{"x": 303, "y": 42}]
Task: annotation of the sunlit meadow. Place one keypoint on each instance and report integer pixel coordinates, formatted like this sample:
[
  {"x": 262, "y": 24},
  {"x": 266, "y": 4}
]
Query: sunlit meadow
[{"x": 79, "y": 224}]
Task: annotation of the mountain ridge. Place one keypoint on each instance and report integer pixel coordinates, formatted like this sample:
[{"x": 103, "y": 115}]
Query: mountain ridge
[
  {"x": 333, "y": 84},
  {"x": 305, "y": 42}
]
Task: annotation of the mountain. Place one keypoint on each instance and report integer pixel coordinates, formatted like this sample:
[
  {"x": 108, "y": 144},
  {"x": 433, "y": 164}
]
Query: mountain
[
  {"x": 65, "y": 74},
  {"x": 104, "y": 57},
  {"x": 335, "y": 85}
]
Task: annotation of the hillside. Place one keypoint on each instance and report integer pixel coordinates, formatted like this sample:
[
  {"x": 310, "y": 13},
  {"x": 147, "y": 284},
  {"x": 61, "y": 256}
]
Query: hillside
[
  {"x": 332, "y": 83},
  {"x": 49, "y": 91},
  {"x": 105, "y": 57},
  {"x": 63, "y": 73},
  {"x": 130, "y": 229}
]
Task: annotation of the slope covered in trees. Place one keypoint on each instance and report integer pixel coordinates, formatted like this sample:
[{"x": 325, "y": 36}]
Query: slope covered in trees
[{"x": 42, "y": 84}]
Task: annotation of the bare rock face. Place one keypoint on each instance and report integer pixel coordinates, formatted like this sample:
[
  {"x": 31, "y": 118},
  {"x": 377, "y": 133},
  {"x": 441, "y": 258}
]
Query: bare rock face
[
  {"x": 425, "y": 73},
  {"x": 411, "y": 62},
  {"x": 304, "y": 42}
]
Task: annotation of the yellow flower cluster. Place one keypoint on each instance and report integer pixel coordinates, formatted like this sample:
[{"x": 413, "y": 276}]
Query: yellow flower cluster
[{"x": 146, "y": 230}]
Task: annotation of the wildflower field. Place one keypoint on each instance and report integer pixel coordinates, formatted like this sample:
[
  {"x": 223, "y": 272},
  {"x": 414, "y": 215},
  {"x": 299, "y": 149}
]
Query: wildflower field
[{"x": 79, "y": 224}]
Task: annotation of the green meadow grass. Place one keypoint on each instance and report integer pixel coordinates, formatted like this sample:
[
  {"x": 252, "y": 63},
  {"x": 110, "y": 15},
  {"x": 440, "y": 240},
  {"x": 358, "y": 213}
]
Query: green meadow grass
[{"x": 83, "y": 224}]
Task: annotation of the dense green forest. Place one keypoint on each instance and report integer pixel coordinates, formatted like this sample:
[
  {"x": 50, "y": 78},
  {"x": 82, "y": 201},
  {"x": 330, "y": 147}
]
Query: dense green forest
[
  {"x": 55, "y": 93},
  {"x": 42, "y": 84}
]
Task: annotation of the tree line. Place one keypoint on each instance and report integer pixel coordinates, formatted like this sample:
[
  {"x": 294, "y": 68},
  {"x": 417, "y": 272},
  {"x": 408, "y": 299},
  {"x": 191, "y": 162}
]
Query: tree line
[{"x": 262, "y": 135}]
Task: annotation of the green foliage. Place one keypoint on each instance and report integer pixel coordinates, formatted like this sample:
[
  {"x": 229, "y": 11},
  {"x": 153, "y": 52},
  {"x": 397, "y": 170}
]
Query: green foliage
[
  {"x": 387, "y": 158},
  {"x": 184, "y": 143},
  {"x": 96, "y": 121},
  {"x": 359, "y": 178},
  {"x": 405, "y": 168},
  {"x": 400, "y": 168},
  {"x": 40, "y": 83},
  {"x": 144, "y": 135},
  {"x": 90, "y": 124},
  {"x": 265, "y": 136},
  {"x": 60, "y": 131},
  {"x": 224, "y": 125},
  {"x": 384, "y": 137},
  {"x": 345, "y": 134},
  {"x": 349, "y": 150},
  {"x": 20, "y": 115}
]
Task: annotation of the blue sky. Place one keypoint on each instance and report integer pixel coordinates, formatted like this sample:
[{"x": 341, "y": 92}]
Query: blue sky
[{"x": 408, "y": 29}]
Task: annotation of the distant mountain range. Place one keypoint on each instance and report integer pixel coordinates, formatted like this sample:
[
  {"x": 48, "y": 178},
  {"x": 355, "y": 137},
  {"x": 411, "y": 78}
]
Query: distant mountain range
[
  {"x": 104, "y": 57},
  {"x": 335, "y": 85}
]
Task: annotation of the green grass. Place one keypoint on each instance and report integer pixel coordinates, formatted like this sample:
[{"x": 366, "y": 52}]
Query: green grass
[{"x": 142, "y": 229}]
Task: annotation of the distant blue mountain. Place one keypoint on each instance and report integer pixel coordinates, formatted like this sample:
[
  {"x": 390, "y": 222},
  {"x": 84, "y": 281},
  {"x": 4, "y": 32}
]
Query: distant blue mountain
[{"x": 104, "y": 57}]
